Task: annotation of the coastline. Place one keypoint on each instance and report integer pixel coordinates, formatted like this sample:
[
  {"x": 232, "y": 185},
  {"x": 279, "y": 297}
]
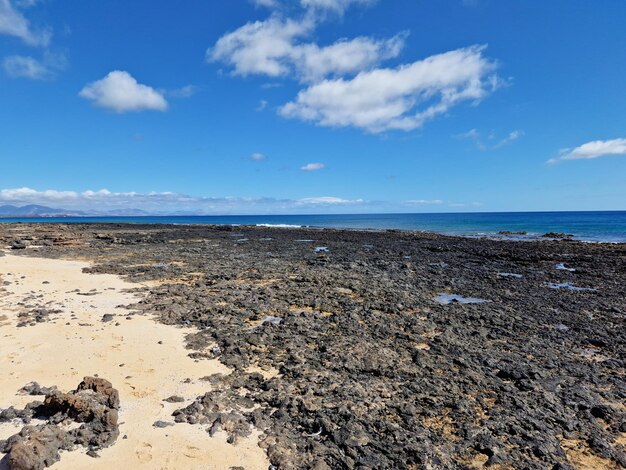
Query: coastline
[
  {"x": 372, "y": 368},
  {"x": 599, "y": 226}
]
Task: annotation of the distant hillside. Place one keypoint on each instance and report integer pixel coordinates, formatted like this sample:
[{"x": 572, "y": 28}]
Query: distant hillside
[{"x": 34, "y": 210}]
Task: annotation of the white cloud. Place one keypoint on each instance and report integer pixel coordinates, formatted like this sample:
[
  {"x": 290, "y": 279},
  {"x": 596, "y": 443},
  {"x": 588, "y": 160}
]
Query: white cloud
[
  {"x": 591, "y": 150},
  {"x": 313, "y": 63},
  {"x": 262, "y": 47},
  {"x": 328, "y": 200},
  {"x": 466, "y": 204},
  {"x": 30, "y": 195},
  {"x": 397, "y": 99},
  {"x": 423, "y": 202},
  {"x": 13, "y": 23},
  {"x": 262, "y": 105},
  {"x": 271, "y": 48},
  {"x": 338, "y": 6},
  {"x": 103, "y": 201},
  {"x": 257, "y": 157},
  {"x": 313, "y": 167},
  {"x": 120, "y": 92}
]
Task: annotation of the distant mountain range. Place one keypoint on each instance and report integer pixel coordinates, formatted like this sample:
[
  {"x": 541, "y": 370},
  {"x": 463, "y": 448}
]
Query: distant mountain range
[{"x": 34, "y": 210}]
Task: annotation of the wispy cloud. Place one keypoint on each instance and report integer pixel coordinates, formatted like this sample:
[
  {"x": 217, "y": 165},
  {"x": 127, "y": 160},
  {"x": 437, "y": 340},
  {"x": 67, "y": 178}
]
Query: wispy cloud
[
  {"x": 120, "y": 92},
  {"x": 465, "y": 204},
  {"x": 490, "y": 142},
  {"x": 266, "y": 3},
  {"x": 424, "y": 202},
  {"x": 513, "y": 136},
  {"x": 337, "y": 6},
  {"x": 14, "y": 23},
  {"x": 313, "y": 167},
  {"x": 328, "y": 200},
  {"x": 257, "y": 157},
  {"x": 104, "y": 201},
  {"x": 17, "y": 66},
  {"x": 169, "y": 202},
  {"x": 184, "y": 92},
  {"x": 591, "y": 150}
]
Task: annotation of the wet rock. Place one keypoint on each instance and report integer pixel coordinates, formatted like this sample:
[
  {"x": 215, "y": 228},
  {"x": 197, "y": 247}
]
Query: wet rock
[{"x": 558, "y": 235}]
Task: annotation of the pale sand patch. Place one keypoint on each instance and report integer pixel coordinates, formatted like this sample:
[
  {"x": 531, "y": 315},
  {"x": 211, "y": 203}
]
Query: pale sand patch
[{"x": 53, "y": 353}]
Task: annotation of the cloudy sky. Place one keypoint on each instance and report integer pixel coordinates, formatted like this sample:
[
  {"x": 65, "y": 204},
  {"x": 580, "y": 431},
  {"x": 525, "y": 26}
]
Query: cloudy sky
[{"x": 313, "y": 106}]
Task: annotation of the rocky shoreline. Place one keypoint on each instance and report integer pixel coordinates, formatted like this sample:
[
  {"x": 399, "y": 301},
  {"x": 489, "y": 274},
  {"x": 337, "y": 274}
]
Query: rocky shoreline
[{"x": 343, "y": 357}]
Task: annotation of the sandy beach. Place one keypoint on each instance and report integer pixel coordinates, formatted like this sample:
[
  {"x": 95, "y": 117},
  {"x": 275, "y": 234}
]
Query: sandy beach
[{"x": 145, "y": 360}]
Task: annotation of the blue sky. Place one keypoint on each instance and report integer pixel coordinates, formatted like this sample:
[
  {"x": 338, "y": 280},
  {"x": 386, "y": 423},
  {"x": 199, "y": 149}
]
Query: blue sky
[{"x": 313, "y": 106}]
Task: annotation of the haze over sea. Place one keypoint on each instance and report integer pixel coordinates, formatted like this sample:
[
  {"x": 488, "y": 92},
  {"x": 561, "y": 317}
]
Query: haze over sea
[{"x": 597, "y": 226}]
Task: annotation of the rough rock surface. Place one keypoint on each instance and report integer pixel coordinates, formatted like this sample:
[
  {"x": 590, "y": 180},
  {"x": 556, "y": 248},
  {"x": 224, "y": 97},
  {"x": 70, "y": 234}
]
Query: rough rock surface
[
  {"x": 364, "y": 369},
  {"x": 94, "y": 404}
]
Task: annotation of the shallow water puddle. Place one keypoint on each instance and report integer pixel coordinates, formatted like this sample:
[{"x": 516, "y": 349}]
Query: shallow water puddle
[
  {"x": 305, "y": 241},
  {"x": 570, "y": 286},
  {"x": 445, "y": 299},
  {"x": 438, "y": 265},
  {"x": 516, "y": 276},
  {"x": 562, "y": 267},
  {"x": 272, "y": 319},
  {"x": 321, "y": 249}
]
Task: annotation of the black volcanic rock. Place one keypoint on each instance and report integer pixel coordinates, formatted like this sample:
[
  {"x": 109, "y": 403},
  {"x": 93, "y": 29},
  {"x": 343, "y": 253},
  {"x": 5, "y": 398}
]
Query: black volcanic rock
[{"x": 364, "y": 368}]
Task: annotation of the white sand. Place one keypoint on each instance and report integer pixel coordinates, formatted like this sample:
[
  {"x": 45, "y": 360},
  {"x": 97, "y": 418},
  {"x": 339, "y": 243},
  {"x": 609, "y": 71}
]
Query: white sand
[{"x": 129, "y": 356}]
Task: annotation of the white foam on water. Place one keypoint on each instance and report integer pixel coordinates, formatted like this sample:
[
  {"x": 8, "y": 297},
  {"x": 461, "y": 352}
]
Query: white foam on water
[
  {"x": 570, "y": 286},
  {"x": 516, "y": 276},
  {"x": 445, "y": 299},
  {"x": 561, "y": 267},
  {"x": 279, "y": 225}
]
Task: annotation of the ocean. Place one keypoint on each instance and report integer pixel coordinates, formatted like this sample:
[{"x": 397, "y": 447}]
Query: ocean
[{"x": 602, "y": 226}]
